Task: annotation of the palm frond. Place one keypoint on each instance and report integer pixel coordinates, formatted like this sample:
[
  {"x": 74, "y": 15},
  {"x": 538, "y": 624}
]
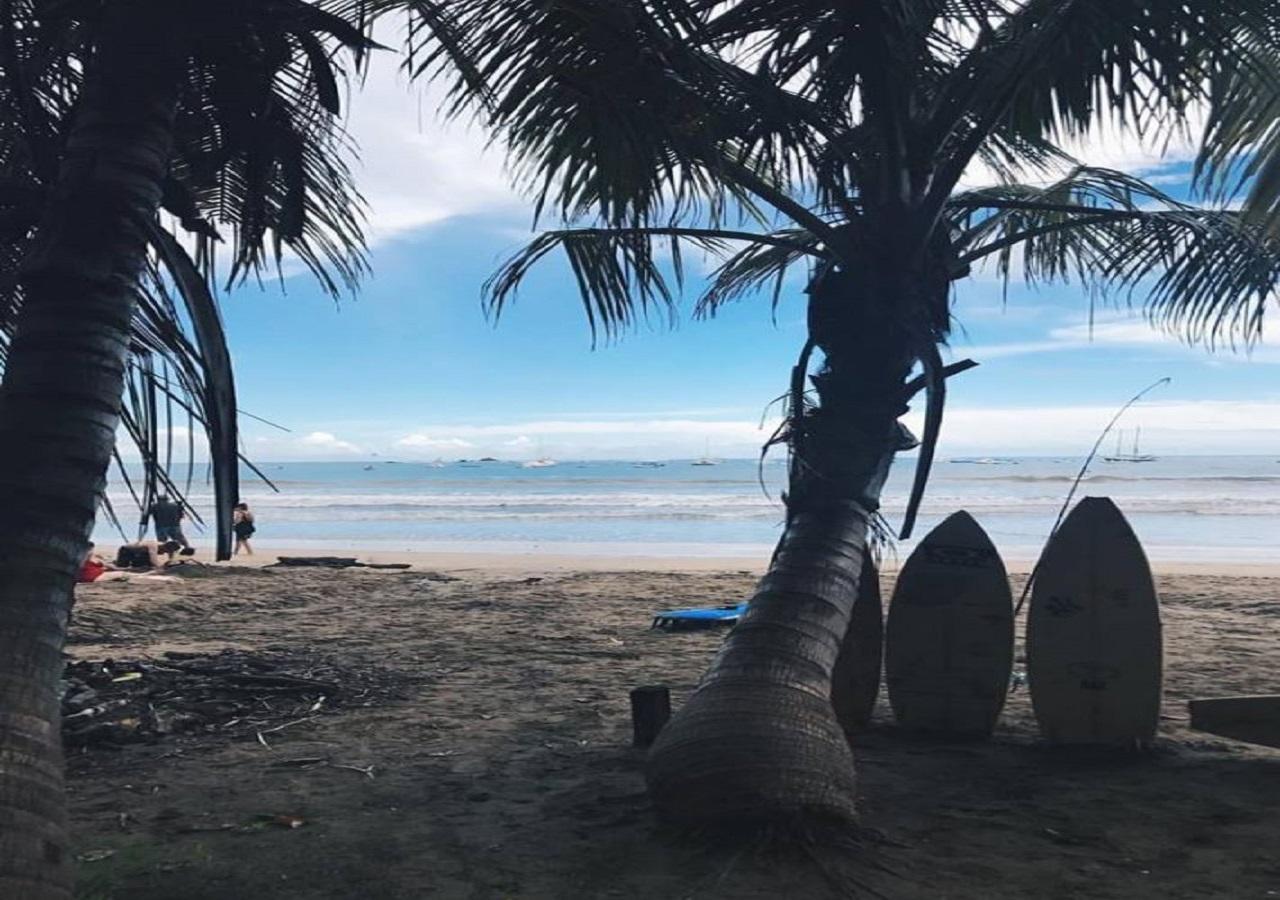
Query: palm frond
[
  {"x": 215, "y": 388},
  {"x": 625, "y": 275},
  {"x": 1240, "y": 151},
  {"x": 763, "y": 264},
  {"x": 1209, "y": 274},
  {"x": 1048, "y": 67}
]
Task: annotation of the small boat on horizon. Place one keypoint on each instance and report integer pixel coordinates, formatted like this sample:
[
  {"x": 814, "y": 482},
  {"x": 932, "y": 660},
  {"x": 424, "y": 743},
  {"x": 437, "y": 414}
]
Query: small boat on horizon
[
  {"x": 1136, "y": 456},
  {"x": 540, "y": 463},
  {"x": 648, "y": 465},
  {"x": 706, "y": 459}
]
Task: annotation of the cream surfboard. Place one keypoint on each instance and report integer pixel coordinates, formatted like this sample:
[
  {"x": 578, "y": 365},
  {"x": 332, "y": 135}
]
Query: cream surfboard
[
  {"x": 949, "y": 636},
  {"x": 1093, "y": 633},
  {"x": 855, "y": 683}
]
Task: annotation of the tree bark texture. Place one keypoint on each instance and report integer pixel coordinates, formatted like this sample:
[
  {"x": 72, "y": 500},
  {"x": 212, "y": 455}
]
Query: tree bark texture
[
  {"x": 758, "y": 741},
  {"x": 59, "y": 409}
]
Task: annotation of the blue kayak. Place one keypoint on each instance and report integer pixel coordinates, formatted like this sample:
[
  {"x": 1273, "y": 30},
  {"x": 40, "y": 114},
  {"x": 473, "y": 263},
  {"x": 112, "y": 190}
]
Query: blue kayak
[{"x": 678, "y": 619}]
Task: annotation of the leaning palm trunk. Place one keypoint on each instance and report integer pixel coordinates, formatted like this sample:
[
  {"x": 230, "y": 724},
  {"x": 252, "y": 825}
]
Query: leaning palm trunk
[
  {"x": 59, "y": 409},
  {"x": 758, "y": 740}
]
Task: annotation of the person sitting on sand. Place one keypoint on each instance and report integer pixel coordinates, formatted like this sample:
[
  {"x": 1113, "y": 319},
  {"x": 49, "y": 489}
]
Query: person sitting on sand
[
  {"x": 242, "y": 525},
  {"x": 146, "y": 554},
  {"x": 94, "y": 568}
]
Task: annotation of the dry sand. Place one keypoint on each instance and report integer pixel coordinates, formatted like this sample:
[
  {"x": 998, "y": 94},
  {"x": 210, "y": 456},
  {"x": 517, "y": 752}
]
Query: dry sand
[{"x": 505, "y": 771}]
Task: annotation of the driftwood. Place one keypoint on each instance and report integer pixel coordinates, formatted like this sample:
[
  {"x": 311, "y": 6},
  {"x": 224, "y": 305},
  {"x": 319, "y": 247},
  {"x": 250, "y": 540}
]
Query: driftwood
[
  {"x": 233, "y": 693},
  {"x": 330, "y": 562}
]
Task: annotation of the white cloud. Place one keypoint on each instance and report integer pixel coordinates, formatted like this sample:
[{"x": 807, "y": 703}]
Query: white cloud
[
  {"x": 585, "y": 438},
  {"x": 1168, "y": 428},
  {"x": 1128, "y": 331},
  {"x": 427, "y": 442},
  {"x": 414, "y": 169},
  {"x": 327, "y": 441}
]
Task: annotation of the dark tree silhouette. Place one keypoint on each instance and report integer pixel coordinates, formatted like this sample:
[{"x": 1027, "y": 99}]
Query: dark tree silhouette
[{"x": 222, "y": 114}]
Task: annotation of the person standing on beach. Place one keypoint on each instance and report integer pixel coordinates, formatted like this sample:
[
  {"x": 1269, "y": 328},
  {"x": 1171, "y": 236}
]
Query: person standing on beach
[
  {"x": 168, "y": 516},
  {"x": 242, "y": 525}
]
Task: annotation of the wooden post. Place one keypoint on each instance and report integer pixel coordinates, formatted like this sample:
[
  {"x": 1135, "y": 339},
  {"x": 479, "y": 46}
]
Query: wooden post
[{"x": 650, "y": 709}]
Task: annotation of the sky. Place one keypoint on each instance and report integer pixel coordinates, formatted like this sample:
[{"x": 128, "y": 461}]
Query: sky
[{"x": 412, "y": 369}]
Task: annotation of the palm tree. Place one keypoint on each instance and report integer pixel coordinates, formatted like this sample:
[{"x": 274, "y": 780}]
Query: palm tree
[
  {"x": 777, "y": 133},
  {"x": 222, "y": 114}
]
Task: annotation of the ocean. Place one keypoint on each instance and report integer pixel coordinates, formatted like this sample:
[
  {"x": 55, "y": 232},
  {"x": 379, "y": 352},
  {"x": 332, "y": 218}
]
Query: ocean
[{"x": 1189, "y": 508}]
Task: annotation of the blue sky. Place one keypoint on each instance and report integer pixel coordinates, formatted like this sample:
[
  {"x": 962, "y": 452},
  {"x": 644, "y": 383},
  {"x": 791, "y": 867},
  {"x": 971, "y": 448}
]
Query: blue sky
[{"x": 411, "y": 369}]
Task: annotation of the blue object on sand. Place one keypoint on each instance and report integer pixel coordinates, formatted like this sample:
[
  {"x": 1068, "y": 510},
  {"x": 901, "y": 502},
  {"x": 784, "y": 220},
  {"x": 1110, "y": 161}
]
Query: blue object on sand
[{"x": 681, "y": 619}]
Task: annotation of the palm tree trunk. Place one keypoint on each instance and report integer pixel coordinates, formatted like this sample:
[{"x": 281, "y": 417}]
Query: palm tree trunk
[
  {"x": 758, "y": 740},
  {"x": 59, "y": 408}
]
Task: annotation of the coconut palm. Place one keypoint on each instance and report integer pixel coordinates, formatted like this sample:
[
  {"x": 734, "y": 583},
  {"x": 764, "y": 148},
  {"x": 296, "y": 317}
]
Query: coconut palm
[
  {"x": 222, "y": 114},
  {"x": 837, "y": 136}
]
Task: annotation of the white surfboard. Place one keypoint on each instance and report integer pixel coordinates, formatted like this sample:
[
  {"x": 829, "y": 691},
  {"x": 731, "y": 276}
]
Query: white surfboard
[
  {"x": 949, "y": 636},
  {"x": 855, "y": 683},
  {"x": 1094, "y": 651}
]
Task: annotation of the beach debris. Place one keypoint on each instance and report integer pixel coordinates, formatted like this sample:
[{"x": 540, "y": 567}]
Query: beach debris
[
  {"x": 298, "y": 762},
  {"x": 330, "y": 562},
  {"x": 233, "y": 693},
  {"x": 366, "y": 771},
  {"x": 428, "y": 577},
  {"x": 265, "y": 820},
  {"x": 90, "y": 856}
]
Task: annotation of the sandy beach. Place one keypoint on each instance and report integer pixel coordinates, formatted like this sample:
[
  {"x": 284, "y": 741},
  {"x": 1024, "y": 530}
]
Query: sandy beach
[{"x": 492, "y": 758}]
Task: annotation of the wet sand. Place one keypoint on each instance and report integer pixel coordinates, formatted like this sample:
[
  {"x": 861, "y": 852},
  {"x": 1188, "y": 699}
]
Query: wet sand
[{"x": 504, "y": 768}]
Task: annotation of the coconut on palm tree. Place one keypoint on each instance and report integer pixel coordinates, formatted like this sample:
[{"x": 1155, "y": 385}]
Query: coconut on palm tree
[
  {"x": 222, "y": 114},
  {"x": 778, "y": 133}
]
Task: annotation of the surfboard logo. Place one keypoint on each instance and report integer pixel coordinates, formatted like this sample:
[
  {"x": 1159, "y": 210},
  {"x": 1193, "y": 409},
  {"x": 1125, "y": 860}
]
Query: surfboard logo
[
  {"x": 1093, "y": 676},
  {"x": 964, "y": 557},
  {"x": 1062, "y": 607}
]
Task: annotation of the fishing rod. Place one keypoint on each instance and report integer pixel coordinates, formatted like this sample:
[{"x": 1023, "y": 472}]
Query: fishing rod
[{"x": 1066, "y": 504}]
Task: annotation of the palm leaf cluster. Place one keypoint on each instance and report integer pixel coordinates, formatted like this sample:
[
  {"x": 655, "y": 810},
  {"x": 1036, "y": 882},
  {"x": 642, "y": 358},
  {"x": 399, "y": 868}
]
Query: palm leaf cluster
[
  {"x": 258, "y": 174},
  {"x": 842, "y": 135}
]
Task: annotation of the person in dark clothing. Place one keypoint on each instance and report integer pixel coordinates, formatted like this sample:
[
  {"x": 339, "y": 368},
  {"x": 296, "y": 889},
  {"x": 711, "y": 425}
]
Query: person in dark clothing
[
  {"x": 244, "y": 528},
  {"x": 168, "y": 516}
]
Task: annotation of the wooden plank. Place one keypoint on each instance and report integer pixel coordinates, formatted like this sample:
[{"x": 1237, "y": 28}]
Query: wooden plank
[{"x": 1255, "y": 720}]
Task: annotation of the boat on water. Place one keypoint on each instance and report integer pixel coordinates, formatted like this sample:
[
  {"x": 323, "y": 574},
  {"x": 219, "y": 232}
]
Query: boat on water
[
  {"x": 540, "y": 463},
  {"x": 706, "y": 459},
  {"x": 1134, "y": 456},
  {"x": 647, "y": 465}
]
